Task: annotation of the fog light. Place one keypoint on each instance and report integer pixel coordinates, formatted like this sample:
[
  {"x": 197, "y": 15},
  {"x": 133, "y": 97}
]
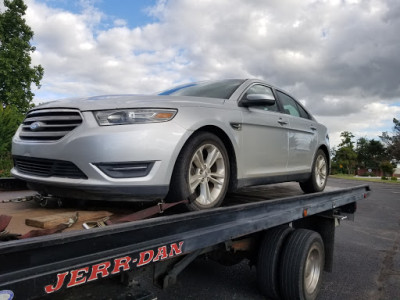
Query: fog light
[{"x": 125, "y": 169}]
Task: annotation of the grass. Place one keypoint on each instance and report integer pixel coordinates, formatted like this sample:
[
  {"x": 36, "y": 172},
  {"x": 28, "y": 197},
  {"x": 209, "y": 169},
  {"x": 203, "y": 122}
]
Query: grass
[{"x": 370, "y": 179}]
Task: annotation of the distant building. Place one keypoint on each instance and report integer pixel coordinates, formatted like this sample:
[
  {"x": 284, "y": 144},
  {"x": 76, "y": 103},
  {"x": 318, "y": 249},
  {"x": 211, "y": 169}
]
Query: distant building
[
  {"x": 369, "y": 172},
  {"x": 374, "y": 172}
]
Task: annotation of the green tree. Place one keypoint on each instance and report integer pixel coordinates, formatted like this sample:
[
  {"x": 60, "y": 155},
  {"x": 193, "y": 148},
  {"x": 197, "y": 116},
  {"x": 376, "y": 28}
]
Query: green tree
[
  {"x": 345, "y": 156},
  {"x": 387, "y": 168},
  {"x": 347, "y": 137},
  {"x": 362, "y": 152},
  {"x": 393, "y": 141},
  {"x": 370, "y": 153},
  {"x": 16, "y": 72},
  {"x": 10, "y": 118}
]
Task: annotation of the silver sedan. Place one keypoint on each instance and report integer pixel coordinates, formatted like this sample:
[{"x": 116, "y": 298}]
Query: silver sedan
[{"x": 195, "y": 141}]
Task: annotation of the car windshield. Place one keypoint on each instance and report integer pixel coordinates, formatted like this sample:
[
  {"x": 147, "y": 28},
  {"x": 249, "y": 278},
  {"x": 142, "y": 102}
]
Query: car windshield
[{"x": 212, "y": 89}]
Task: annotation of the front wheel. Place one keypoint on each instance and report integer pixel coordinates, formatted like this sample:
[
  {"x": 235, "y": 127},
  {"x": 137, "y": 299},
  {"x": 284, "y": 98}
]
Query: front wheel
[
  {"x": 319, "y": 174},
  {"x": 201, "y": 172}
]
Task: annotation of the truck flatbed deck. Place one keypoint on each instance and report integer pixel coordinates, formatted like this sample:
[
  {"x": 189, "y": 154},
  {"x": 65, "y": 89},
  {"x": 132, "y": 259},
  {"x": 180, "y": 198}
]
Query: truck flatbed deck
[{"x": 45, "y": 265}]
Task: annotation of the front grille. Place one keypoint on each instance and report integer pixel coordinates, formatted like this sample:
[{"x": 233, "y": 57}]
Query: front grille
[
  {"x": 47, "y": 167},
  {"x": 49, "y": 124}
]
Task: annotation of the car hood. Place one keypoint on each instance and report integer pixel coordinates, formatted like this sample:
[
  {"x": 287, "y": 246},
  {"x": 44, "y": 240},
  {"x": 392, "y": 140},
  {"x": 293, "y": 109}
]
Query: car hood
[{"x": 131, "y": 101}]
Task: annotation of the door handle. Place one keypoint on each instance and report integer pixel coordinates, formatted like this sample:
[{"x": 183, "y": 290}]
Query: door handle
[
  {"x": 282, "y": 122},
  {"x": 313, "y": 128}
]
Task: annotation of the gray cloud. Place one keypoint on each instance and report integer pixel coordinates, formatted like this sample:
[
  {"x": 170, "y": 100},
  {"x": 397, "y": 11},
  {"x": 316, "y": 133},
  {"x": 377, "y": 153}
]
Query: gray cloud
[
  {"x": 332, "y": 50},
  {"x": 339, "y": 57}
]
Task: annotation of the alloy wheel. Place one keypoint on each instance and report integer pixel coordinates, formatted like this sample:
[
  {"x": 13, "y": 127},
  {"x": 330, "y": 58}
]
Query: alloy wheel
[
  {"x": 207, "y": 174},
  {"x": 320, "y": 171}
]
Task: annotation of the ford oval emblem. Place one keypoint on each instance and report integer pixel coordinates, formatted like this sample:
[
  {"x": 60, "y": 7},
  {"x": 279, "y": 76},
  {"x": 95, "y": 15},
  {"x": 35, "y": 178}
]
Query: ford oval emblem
[{"x": 36, "y": 126}]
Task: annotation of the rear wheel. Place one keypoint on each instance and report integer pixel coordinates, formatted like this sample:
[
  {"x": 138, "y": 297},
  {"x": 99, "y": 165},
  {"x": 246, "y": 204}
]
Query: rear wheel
[
  {"x": 302, "y": 264},
  {"x": 319, "y": 175},
  {"x": 201, "y": 172},
  {"x": 269, "y": 259}
]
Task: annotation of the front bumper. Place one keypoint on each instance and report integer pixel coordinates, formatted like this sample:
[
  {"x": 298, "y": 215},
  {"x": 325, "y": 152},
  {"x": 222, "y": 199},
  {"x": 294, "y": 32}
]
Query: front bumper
[{"x": 90, "y": 146}]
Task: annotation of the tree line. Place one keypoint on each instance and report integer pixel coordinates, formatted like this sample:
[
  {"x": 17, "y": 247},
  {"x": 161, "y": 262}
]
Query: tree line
[{"x": 367, "y": 157}]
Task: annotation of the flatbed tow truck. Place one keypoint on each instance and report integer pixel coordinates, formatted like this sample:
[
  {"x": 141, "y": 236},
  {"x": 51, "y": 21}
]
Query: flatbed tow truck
[{"x": 290, "y": 240}]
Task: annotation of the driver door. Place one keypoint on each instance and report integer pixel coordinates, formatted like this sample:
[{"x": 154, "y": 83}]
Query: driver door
[{"x": 265, "y": 139}]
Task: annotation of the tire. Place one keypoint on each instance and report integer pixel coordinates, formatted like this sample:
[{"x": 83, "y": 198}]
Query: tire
[
  {"x": 47, "y": 202},
  {"x": 269, "y": 259},
  {"x": 302, "y": 264},
  {"x": 319, "y": 174},
  {"x": 201, "y": 173}
]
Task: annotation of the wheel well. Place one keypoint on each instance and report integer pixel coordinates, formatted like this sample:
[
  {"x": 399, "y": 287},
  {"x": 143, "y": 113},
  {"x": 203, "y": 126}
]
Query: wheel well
[
  {"x": 325, "y": 149},
  {"x": 229, "y": 148}
]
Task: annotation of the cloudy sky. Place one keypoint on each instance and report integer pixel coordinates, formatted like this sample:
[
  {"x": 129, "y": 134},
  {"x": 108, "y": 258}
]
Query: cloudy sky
[{"x": 340, "y": 58}]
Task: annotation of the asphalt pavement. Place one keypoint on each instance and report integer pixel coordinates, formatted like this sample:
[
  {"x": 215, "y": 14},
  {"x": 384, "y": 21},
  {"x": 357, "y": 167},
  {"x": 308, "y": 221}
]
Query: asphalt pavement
[
  {"x": 367, "y": 251},
  {"x": 366, "y": 265}
]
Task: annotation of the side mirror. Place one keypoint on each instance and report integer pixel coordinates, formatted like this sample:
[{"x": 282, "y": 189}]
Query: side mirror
[{"x": 257, "y": 100}]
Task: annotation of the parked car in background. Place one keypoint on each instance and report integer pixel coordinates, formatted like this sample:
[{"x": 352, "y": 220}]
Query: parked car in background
[{"x": 199, "y": 139}]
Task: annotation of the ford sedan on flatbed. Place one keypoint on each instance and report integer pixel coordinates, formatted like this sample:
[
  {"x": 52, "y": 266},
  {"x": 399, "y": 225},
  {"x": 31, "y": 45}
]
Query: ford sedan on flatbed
[{"x": 194, "y": 141}]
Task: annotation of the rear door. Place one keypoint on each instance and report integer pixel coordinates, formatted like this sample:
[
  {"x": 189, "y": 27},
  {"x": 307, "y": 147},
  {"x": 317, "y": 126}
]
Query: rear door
[{"x": 302, "y": 132}]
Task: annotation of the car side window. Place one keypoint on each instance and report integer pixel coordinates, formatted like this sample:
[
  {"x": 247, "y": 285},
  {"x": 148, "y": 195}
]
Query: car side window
[
  {"x": 262, "y": 89},
  {"x": 291, "y": 107},
  {"x": 303, "y": 112}
]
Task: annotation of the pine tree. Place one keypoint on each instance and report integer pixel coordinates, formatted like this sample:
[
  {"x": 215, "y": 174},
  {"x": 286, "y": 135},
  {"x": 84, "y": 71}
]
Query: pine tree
[{"x": 16, "y": 72}]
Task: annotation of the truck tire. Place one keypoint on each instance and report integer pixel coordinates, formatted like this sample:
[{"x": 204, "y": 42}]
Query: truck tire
[
  {"x": 302, "y": 264},
  {"x": 319, "y": 174},
  {"x": 269, "y": 259},
  {"x": 201, "y": 172}
]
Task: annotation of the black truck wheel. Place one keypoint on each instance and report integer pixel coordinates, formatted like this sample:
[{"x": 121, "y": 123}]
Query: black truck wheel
[
  {"x": 319, "y": 174},
  {"x": 268, "y": 261},
  {"x": 202, "y": 172},
  {"x": 302, "y": 264}
]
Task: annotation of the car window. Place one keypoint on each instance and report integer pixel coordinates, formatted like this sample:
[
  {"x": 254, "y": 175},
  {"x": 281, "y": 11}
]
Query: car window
[
  {"x": 303, "y": 112},
  {"x": 262, "y": 89},
  {"x": 291, "y": 107}
]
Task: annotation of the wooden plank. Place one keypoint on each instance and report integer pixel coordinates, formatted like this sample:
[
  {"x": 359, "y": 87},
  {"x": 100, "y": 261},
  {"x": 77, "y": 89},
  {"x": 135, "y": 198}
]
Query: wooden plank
[{"x": 53, "y": 220}]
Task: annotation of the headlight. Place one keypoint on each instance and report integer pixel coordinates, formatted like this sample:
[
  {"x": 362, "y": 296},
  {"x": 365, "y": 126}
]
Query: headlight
[{"x": 133, "y": 116}]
